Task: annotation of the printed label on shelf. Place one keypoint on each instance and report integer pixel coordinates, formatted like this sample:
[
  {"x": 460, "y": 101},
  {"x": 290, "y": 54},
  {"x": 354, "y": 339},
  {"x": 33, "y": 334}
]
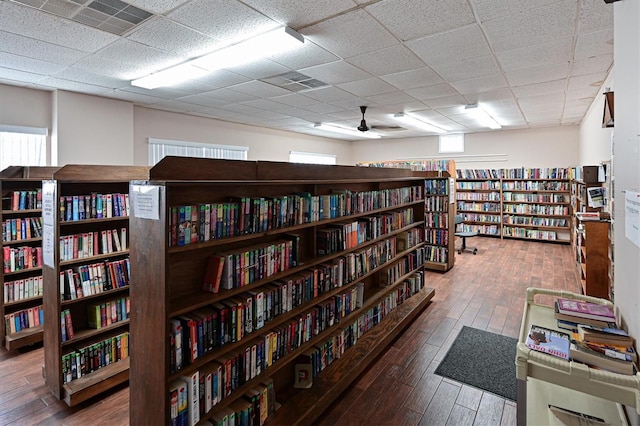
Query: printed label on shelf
[
  {"x": 48, "y": 202},
  {"x": 146, "y": 201}
]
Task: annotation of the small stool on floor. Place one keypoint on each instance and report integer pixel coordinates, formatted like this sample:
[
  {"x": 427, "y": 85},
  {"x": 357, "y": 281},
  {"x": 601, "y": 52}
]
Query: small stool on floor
[{"x": 464, "y": 235}]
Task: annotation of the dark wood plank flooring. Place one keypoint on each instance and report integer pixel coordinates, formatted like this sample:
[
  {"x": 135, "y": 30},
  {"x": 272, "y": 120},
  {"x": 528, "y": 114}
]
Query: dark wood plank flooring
[{"x": 485, "y": 291}]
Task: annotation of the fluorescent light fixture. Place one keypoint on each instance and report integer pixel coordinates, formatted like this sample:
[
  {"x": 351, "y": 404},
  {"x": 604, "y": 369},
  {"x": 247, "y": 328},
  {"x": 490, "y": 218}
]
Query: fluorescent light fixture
[
  {"x": 482, "y": 116},
  {"x": 263, "y": 45},
  {"x": 413, "y": 121},
  {"x": 267, "y": 44},
  {"x": 344, "y": 131}
]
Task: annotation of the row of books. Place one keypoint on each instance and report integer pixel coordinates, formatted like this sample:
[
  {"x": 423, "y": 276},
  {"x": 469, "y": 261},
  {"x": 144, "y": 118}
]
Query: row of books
[
  {"x": 87, "y": 359},
  {"x": 478, "y": 207},
  {"x": 436, "y": 203},
  {"x": 488, "y": 185},
  {"x": 436, "y": 254},
  {"x": 539, "y": 209},
  {"x": 26, "y": 200},
  {"x": 476, "y": 217},
  {"x": 88, "y": 280},
  {"x": 21, "y": 229},
  {"x": 21, "y": 258},
  {"x": 534, "y": 198},
  {"x": 93, "y": 206},
  {"x": 246, "y": 215},
  {"x": 23, "y": 319},
  {"x": 536, "y": 186},
  {"x": 508, "y": 231},
  {"x": 192, "y": 397},
  {"x": 478, "y": 196},
  {"x": 534, "y": 221},
  {"x": 89, "y": 244},
  {"x": 392, "y": 274},
  {"x": 436, "y": 187},
  {"x": 478, "y": 174},
  {"x": 418, "y": 165},
  {"x": 100, "y": 315},
  {"x": 26, "y": 288},
  {"x": 436, "y": 220},
  {"x": 437, "y": 236},
  {"x": 410, "y": 238},
  {"x": 536, "y": 173}
]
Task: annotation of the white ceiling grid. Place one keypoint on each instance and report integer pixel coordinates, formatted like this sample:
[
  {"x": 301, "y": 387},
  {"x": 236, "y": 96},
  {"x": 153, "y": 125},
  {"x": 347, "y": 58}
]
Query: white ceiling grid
[{"x": 533, "y": 63}]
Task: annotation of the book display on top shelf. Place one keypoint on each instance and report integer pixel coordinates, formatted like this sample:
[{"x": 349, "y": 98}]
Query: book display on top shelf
[
  {"x": 86, "y": 271},
  {"x": 21, "y": 309},
  {"x": 426, "y": 165},
  {"x": 439, "y": 218},
  {"x": 320, "y": 267}
]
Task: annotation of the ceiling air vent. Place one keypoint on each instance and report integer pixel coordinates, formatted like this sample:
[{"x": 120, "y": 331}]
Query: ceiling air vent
[
  {"x": 294, "y": 81},
  {"x": 114, "y": 16}
]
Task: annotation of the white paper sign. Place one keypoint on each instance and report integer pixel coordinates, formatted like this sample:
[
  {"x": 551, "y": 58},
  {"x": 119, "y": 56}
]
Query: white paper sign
[
  {"x": 48, "y": 245},
  {"x": 452, "y": 190},
  {"x": 632, "y": 216},
  {"x": 146, "y": 201},
  {"x": 48, "y": 202}
]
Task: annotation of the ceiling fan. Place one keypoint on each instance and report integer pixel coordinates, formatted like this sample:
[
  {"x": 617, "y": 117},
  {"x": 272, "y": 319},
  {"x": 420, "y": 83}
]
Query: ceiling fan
[
  {"x": 363, "y": 124},
  {"x": 363, "y": 127}
]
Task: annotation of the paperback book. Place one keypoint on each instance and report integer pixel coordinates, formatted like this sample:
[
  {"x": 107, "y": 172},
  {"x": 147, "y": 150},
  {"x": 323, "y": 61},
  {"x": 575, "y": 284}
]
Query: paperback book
[
  {"x": 549, "y": 341},
  {"x": 582, "y": 309}
]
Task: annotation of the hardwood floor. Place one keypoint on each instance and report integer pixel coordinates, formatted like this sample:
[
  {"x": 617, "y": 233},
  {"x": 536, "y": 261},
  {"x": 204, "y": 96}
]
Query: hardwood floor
[{"x": 484, "y": 291}]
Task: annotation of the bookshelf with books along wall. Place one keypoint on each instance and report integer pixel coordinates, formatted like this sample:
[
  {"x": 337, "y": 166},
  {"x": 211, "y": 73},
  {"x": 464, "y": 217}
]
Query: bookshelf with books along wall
[
  {"x": 21, "y": 310},
  {"x": 86, "y": 279},
  {"x": 479, "y": 201},
  {"x": 324, "y": 264},
  {"x": 439, "y": 219}
]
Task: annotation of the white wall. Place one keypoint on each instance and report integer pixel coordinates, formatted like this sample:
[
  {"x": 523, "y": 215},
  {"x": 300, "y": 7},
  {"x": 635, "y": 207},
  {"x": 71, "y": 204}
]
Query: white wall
[
  {"x": 626, "y": 159},
  {"x": 595, "y": 141},
  {"x": 92, "y": 130},
  {"x": 546, "y": 147},
  {"x": 264, "y": 144}
]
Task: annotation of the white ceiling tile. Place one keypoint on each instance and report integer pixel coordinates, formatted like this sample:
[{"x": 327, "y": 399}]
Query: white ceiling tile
[
  {"x": 412, "y": 79},
  {"x": 552, "y": 103},
  {"x": 84, "y": 76},
  {"x": 28, "y": 22},
  {"x": 479, "y": 85},
  {"x": 405, "y": 106},
  {"x": 446, "y": 101},
  {"x": 557, "y": 86},
  {"x": 216, "y": 112},
  {"x": 367, "y": 87},
  {"x": 260, "y": 68},
  {"x": 466, "y": 69},
  {"x": 160, "y": 92},
  {"x": 594, "y": 44},
  {"x": 295, "y": 100},
  {"x": 74, "y": 86},
  {"x": 595, "y": 16},
  {"x": 25, "y": 46},
  {"x": 259, "y": 89},
  {"x": 230, "y": 96},
  {"x": 300, "y": 13},
  {"x": 387, "y": 61},
  {"x": 17, "y": 75},
  {"x": 226, "y": 21},
  {"x": 23, "y": 63},
  {"x": 171, "y": 37},
  {"x": 350, "y": 34},
  {"x": 491, "y": 9},
  {"x": 335, "y": 73},
  {"x": 322, "y": 108},
  {"x": 329, "y": 94},
  {"x": 430, "y": 92},
  {"x": 392, "y": 98},
  {"x": 264, "y": 104},
  {"x": 353, "y": 105},
  {"x": 157, "y": 6},
  {"x": 537, "y": 26},
  {"x": 308, "y": 55},
  {"x": 175, "y": 106},
  {"x": 270, "y": 115},
  {"x": 575, "y": 110},
  {"x": 451, "y": 46},
  {"x": 585, "y": 81},
  {"x": 204, "y": 99},
  {"x": 117, "y": 69},
  {"x": 131, "y": 52},
  {"x": 586, "y": 94},
  {"x": 504, "y": 94},
  {"x": 138, "y": 98},
  {"x": 551, "y": 53},
  {"x": 538, "y": 75},
  {"x": 591, "y": 65},
  {"x": 409, "y": 19}
]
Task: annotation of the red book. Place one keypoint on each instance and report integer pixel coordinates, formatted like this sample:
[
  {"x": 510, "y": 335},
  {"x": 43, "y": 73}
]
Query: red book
[
  {"x": 587, "y": 310},
  {"x": 213, "y": 274}
]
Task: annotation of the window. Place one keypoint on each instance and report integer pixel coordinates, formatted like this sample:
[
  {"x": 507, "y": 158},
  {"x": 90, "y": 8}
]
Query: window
[
  {"x": 451, "y": 143},
  {"x": 22, "y": 146},
  {"x": 312, "y": 158},
  {"x": 160, "y": 148}
]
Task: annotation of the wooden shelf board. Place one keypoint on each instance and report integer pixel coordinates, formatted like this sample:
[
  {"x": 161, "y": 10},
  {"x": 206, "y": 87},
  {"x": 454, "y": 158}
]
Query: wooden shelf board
[
  {"x": 24, "y": 241},
  {"x": 23, "y": 338},
  {"x": 23, "y": 271},
  {"x": 94, "y": 296},
  {"x": 436, "y": 266},
  {"x": 88, "y": 333},
  {"x": 94, "y": 220},
  {"x": 93, "y": 258},
  {"x": 306, "y": 405},
  {"x": 23, "y": 301},
  {"x": 92, "y": 384},
  {"x": 20, "y": 212}
]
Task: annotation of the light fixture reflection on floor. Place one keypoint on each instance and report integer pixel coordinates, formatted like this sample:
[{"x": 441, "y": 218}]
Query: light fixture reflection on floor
[
  {"x": 345, "y": 131},
  {"x": 263, "y": 45},
  {"x": 482, "y": 116},
  {"x": 416, "y": 122}
]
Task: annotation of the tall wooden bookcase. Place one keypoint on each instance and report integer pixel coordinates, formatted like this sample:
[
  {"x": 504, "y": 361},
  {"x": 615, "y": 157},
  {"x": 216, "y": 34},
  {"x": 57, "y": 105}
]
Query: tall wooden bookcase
[
  {"x": 479, "y": 201},
  {"x": 592, "y": 257},
  {"x": 439, "y": 197},
  {"x": 168, "y": 274},
  {"x": 81, "y": 256},
  {"x": 21, "y": 188}
]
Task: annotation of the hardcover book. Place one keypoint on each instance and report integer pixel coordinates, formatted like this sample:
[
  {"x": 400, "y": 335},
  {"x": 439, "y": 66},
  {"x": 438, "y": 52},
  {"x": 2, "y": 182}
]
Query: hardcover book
[
  {"x": 587, "y": 310},
  {"x": 613, "y": 336},
  {"x": 549, "y": 341}
]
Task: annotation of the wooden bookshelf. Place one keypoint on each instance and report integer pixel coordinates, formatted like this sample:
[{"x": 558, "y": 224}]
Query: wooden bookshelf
[
  {"x": 439, "y": 221},
  {"x": 167, "y": 278},
  {"x": 479, "y": 201},
  {"x": 21, "y": 182},
  {"x": 85, "y": 243},
  {"x": 592, "y": 257}
]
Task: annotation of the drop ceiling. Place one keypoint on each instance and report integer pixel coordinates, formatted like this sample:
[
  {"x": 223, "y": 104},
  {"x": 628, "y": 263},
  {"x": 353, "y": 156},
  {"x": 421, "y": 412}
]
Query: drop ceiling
[{"x": 532, "y": 63}]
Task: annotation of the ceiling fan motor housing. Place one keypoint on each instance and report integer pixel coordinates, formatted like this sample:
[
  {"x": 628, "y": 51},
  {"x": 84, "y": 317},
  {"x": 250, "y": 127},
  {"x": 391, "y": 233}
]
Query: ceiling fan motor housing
[{"x": 363, "y": 124}]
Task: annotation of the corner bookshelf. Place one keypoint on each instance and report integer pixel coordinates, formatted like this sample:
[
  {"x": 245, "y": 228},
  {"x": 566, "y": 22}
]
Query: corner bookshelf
[
  {"x": 86, "y": 279},
  {"x": 438, "y": 221},
  {"x": 21, "y": 275},
  {"x": 592, "y": 257},
  {"x": 337, "y": 323},
  {"x": 479, "y": 201}
]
